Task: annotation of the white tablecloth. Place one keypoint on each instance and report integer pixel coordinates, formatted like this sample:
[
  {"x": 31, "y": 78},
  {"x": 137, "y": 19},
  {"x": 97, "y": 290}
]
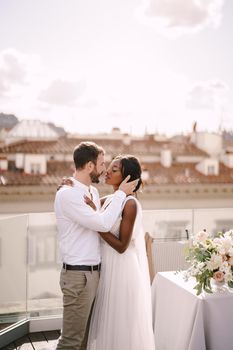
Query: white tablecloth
[{"x": 184, "y": 321}]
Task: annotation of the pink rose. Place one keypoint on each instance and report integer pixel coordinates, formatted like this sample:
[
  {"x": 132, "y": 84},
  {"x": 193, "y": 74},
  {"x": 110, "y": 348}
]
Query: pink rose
[
  {"x": 230, "y": 261},
  {"x": 218, "y": 276}
]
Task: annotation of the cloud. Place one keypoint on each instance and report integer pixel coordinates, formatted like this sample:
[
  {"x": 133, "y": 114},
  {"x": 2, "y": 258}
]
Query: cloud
[
  {"x": 12, "y": 70},
  {"x": 90, "y": 103},
  {"x": 62, "y": 92},
  {"x": 177, "y": 17},
  {"x": 207, "y": 95}
]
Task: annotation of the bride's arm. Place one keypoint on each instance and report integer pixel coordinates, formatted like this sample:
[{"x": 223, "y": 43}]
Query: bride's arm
[{"x": 126, "y": 228}]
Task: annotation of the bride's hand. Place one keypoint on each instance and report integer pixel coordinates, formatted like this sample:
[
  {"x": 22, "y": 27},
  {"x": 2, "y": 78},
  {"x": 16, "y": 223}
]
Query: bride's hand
[
  {"x": 89, "y": 202},
  {"x": 65, "y": 181}
]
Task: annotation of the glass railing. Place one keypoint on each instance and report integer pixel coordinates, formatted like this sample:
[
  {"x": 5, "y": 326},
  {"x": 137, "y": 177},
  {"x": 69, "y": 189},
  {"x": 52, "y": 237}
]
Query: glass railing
[
  {"x": 168, "y": 225},
  {"x": 213, "y": 220},
  {"x": 30, "y": 264},
  {"x": 43, "y": 292},
  {"x": 13, "y": 269},
  {"x": 170, "y": 230}
]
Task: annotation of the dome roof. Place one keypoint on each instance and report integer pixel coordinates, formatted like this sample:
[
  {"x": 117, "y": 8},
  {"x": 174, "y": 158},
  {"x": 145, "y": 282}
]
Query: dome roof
[{"x": 35, "y": 129}]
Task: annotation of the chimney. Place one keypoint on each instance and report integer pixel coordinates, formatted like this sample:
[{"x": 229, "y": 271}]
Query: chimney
[
  {"x": 126, "y": 139},
  {"x": 166, "y": 157}
]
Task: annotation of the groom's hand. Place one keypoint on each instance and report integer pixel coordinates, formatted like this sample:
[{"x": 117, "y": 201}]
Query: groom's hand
[{"x": 128, "y": 187}]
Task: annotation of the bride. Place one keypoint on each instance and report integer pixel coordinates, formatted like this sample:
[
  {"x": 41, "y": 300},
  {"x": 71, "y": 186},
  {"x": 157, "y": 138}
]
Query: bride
[{"x": 122, "y": 313}]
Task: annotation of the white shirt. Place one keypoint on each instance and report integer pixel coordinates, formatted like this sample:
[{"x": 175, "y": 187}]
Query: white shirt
[{"x": 78, "y": 223}]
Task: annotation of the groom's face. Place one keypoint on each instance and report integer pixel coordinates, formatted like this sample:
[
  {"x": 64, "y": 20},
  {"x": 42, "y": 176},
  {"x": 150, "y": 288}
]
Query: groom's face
[{"x": 99, "y": 169}]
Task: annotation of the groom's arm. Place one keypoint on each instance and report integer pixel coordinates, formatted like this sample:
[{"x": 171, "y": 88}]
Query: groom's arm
[{"x": 75, "y": 209}]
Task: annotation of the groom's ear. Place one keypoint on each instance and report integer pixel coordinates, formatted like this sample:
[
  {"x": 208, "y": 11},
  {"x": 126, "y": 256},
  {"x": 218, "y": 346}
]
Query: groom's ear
[{"x": 90, "y": 166}]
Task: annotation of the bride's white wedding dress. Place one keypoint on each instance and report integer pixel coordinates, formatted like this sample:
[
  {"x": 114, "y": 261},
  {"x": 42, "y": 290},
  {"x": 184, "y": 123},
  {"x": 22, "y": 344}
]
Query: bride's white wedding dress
[{"x": 122, "y": 314}]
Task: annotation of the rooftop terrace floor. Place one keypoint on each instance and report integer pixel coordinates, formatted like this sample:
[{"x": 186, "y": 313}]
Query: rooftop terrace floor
[{"x": 35, "y": 341}]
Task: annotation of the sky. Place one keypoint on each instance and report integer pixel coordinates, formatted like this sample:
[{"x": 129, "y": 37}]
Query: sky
[{"x": 145, "y": 66}]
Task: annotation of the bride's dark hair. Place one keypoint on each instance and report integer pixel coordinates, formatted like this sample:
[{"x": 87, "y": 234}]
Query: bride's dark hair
[{"x": 130, "y": 166}]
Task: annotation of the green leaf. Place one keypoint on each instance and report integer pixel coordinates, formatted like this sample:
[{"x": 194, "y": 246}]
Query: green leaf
[
  {"x": 208, "y": 290},
  {"x": 198, "y": 287}
]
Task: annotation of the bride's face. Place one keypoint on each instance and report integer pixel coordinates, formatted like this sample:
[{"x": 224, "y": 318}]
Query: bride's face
[{"x": 113, "y": 176}]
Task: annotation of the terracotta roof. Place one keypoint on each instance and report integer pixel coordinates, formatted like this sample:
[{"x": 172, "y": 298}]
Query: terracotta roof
[
  {"x": 177, "y": 174},
  {"x": 60, "y": 168},
  {"x": 139, "y": 147},
  {"x": 186, "y": 173},
  {"x": 187, "y": 149},
  {"x": 34, "y": 147},
  {"x": 228, "y": 145},
  {"x": 61, "y": 146},
  {"x": 12, "y": 178}
]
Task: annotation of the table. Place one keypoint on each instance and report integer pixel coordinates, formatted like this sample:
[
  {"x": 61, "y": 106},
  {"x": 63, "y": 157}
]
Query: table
[{"x": 184, "y": 321}]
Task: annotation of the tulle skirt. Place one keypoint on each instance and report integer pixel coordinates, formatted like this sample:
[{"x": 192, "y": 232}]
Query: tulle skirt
[{"x": 122, "y": 316}]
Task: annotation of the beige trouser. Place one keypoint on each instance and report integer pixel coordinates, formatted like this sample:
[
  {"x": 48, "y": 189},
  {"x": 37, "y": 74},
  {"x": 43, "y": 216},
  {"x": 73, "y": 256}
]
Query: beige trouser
[{"x": 79, "y": 290}]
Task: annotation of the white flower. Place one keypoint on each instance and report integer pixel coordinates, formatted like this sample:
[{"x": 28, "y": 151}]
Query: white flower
[
  {"x": 210, "y": 258},
  {"x": 214, "y": 263},
  {"x": 228, "y": 233},
  {"x": 217, "y": 241},
  {"x": 228, "y": 276},
  {"x": 230, "y": 251},
  {"x": 224, "y": 267},
  {"x": 193, "y": 271},
  {"x": 226, "y": 245},
  {"x": 200, "y": 237},
  {"x": 186, "y": 275},
  {"x": 200, "y": 266},
  {"x": 230, "y": 261}
]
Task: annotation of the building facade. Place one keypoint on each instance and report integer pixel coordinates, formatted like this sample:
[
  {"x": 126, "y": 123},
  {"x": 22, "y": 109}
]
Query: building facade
[{"x": 195, "y": 168}]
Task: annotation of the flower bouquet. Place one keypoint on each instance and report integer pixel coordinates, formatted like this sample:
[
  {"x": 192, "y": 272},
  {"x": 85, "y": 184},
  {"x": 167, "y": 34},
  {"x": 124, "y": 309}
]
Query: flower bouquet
[{"x": 210, "y": 259}]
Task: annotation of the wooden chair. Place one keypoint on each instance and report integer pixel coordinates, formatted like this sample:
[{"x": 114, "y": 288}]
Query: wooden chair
[{"x": 150, "y": 255}]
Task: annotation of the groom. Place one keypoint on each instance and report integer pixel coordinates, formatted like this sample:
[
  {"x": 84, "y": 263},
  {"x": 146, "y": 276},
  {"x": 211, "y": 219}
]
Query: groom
[{"x": 78, "y": 225}]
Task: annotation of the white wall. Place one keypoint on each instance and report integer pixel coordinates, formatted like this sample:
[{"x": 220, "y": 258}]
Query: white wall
[
  {"x": 188, "y": 159},
  {"x": 149, "y": 159},
  {"x": 204, "y": 166},
  {"x": 36, "y": 161},
  {"x": 210, "y": 143},
  {"x": 3, "y": 164},
  {"x": 227, "y": 159},
  {"x": 166, "y": 158},
  {"x": 126, "y": 140},
  {"x": 19, "y": 160}
]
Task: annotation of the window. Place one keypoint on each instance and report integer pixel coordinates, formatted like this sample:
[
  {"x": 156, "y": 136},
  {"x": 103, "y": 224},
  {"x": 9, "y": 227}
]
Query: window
[
  {"x": 211, "y": 170},
  {"x": 35, "y": 168}
]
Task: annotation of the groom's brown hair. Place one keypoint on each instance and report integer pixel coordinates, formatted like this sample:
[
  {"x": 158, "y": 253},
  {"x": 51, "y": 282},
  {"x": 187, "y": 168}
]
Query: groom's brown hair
[{"x": 86, "y": 152}]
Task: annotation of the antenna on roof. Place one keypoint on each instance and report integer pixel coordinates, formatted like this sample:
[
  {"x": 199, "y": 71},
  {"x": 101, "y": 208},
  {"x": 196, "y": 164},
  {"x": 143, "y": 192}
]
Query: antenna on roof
[
  {"x": 195, "y": 126},
  {"x": 220, "y": 128}
]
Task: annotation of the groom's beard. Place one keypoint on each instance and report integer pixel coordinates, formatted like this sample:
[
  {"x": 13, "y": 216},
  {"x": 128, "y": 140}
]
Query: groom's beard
[{"x": 95, "y": 176}]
